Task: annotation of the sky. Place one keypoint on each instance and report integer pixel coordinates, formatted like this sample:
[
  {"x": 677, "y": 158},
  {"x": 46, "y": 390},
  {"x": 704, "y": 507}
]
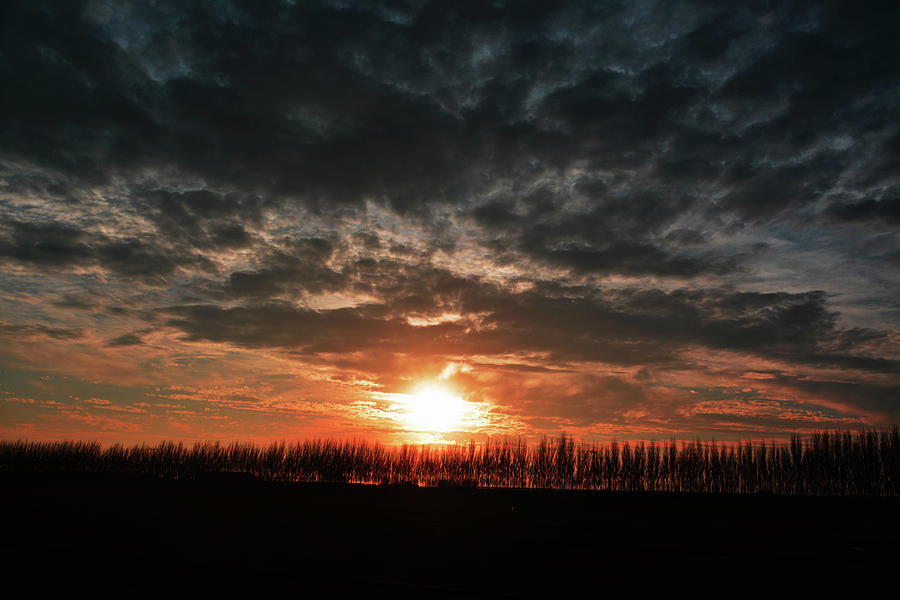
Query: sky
[{"x": 439, "y": 221}]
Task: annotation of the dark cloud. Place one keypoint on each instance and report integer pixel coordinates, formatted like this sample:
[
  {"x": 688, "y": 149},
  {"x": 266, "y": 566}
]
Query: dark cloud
[
  {"x": 44, "y": 244},
  {"x": 64, "y": 246},
  {"x": 627, "y": 327},
  {"x": 336, "y": 104},
  {"x": 878, "y": 397},
  {"x": 286, "y": 326},
  {"x": 303, "y": 269},
  {"x": 368, "y": 239},
  {"x": 38, "y": 329},
  {"x": 617, "y": 234},
  {"x": 202, "y": 218},
  {"x": 74, "y": 302},
  {"x": 134, "y": 258},
  {"x": 630, "y": 258},
  {"x": 887, "y": 210},
  {"x": 127, "y": 339}
]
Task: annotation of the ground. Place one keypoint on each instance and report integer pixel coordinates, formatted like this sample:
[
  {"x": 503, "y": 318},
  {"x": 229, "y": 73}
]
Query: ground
[{"x": 138, "y": 537}]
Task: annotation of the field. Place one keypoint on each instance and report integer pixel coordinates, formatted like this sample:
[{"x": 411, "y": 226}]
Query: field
[
  {"x": 146, "y": 537},
  {"x": 245, "y": 532}
]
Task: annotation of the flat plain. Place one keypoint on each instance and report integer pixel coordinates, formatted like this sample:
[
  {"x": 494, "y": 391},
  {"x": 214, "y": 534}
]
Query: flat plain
[{"x": 132, "y": 536}]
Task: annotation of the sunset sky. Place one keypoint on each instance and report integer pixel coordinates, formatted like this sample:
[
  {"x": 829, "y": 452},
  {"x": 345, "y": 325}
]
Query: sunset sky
[{"x": 439, "y": 221}]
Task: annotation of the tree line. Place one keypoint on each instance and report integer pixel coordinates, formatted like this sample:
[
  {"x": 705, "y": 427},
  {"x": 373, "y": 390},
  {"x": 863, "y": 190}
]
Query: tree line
[{"x": 865, "y": 462}]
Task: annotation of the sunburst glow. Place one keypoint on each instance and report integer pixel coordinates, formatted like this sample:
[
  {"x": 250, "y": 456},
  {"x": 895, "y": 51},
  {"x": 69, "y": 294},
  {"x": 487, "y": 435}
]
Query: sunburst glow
[{"x": 434, "y": 408}]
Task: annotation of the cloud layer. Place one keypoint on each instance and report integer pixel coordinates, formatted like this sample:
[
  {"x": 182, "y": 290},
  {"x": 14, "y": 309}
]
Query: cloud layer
[{"x": 632, "y": 219}]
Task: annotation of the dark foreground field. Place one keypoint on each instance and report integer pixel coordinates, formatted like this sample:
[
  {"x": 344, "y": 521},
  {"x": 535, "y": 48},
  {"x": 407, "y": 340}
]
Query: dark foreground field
[{"x": 128, "y": 537}]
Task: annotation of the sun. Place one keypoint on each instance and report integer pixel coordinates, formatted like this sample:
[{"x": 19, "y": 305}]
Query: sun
[{"x": 432, "y": 407}]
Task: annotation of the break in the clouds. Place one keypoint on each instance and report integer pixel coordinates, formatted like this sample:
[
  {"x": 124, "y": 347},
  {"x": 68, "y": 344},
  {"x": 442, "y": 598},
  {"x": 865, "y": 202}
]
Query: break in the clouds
[{"x": 267, "y": 219}]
